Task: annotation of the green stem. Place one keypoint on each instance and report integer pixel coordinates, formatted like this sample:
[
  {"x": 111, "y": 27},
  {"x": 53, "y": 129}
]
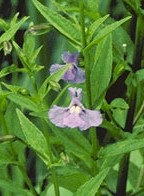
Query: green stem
[
  {"x": 32, "y": 78},
  {"x": 84, "y": 43},
  {"x": 95, "y": 147}
]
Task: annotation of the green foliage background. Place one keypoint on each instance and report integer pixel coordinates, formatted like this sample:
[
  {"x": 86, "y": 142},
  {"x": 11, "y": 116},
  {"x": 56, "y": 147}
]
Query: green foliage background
[{"x": 38, "y": 158}]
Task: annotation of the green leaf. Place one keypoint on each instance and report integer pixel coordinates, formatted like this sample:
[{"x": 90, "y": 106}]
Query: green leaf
[
  {"x": 21, "y": 56},
  {"x": 10, "y": 69},
  {"x": 91, "y": 187},
  {"x": 71, "y": 178},
  {"x": 139, "y": 76},
  {"x": 7, "y": 138},
  {"x": 23, "y": 101},
  {"x": 29, "y": 49},
  {"x": 63, "y": 25},
  {"x": 115, "y": 131},
  {"x": 29, "y": 45},
  {"x": 94, "y": 26},
  {"x": 102, "y": 69},
  {"x": 120, "y": 116},
  {"x": 34, "y": 137},
  {"x": 51, "y": 191},
  {"x": 5, "y": 157},
  {"x": 44, "y": 89},
  {"x": 12, "y": 30},
  {"x": 119, "y": 103},
  {"x": 75, "y": 143},
  {"x": 14, "y": 188},
  {"x": 106, "y": 31},
  {"x": 121, "y": 147},
  {"x": 3, "y": 24}
]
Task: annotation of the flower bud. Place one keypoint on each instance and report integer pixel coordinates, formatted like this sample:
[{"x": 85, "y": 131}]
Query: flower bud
[
  {"x": 54, "y": 85},
  {"x": 39, "y": 29},
  {"x": 7, "y": 47}
]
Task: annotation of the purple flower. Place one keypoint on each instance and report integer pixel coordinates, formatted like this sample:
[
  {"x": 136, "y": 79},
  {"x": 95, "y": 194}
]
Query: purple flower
[
  {"x": 74, "y": 73},
  {"x": 76, "y": 115}
]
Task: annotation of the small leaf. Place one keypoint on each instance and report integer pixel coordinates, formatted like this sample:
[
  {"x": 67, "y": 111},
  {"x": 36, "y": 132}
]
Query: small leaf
[
  {"x": 44, "y": 89},
  {"x": 139, "y": 76},
  {"x": 119, "y": 103},
  {"x": 91, "y": 187},
  {"x": 63, "y": 25},
  {"x": 12, "y": 30},
  {"x": 34, "y": 137},
  {"x": 120, "y": 116},
  {"x": 94, "y": 26},
  {"x": 10, "y": 69},
  {"x": 106, "y": 31},
  {"x": 7, "y": 138}
]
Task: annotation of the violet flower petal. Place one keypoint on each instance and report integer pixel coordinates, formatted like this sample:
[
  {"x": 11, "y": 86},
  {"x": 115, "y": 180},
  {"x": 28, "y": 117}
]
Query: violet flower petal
[
  {"x": 70, "y": 74},
  {"x": 92, "y": 118},
  {"x": 55, "y": 67},
  {"x": 73, "y": 121},
  {"x": 80, "y": 76},
  {"x": 56, "y": 115},
  {"x": 67, "y": 57}
]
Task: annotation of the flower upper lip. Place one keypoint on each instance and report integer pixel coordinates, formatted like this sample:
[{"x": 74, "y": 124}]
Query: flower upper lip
[{"x": 74, "y": 74}]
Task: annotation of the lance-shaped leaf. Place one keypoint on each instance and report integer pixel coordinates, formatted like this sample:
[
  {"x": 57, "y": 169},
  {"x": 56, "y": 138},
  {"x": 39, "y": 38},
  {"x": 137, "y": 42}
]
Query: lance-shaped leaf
[
  {"x": 12, "y": 30},
  {"x": 94, "y": 26},
  {"x": 102, "y": 69},
  {"x": 91, "y": 187},
  {"x": 63, "y": 25},
  {"x": 121, "y": 147},
  {"x": 34, "y": 137},
  {"x": 106, "y": 31}
]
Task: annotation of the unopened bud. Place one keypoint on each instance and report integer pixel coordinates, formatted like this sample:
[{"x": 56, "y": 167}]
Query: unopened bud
[
  {"x": 54, "y": 85},
  {"x": 24, "y": 91},
  {"x": 39, "y": 29},
  {"x": 7, "y": 47}
]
